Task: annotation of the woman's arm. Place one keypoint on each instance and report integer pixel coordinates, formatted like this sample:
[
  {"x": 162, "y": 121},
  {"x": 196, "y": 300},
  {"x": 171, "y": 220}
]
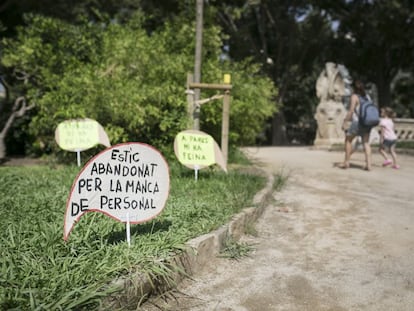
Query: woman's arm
[
  {"x": 352, "y": 106},
  {"x": 348, "y": 116}
]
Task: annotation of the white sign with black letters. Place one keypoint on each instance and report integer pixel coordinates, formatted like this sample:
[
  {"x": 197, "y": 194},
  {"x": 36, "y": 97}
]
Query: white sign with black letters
[{"x": 129, "y": 182}]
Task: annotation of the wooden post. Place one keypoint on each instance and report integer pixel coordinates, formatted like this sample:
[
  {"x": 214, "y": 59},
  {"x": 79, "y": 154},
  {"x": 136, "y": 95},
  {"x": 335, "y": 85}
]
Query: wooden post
[
  {"x": 225, "y": 126},
  {"x": 197, "y": 61},
  {"x": 190, "y": 101},
  {"x": 226, "y": 110}
]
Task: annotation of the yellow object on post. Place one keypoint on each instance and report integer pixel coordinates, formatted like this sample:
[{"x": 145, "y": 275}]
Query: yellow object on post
[{"x": 227, "y": 78}]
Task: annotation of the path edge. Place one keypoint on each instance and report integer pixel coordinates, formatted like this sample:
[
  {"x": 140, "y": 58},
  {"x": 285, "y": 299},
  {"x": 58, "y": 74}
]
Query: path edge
[{"x": 135, "y": 289}]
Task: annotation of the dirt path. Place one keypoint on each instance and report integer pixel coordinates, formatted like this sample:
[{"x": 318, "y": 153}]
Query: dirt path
[{"x": 333, "y": 240}]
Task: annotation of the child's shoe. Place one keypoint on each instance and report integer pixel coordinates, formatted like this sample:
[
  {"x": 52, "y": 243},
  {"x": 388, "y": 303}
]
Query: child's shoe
[
  {"x": 396, "y": 166},
  {"x": 386, "y": 162}
]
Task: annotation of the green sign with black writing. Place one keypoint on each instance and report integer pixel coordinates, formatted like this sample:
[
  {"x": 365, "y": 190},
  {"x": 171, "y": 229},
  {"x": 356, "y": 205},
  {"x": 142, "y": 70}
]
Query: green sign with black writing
[{"x": 195, "y": 149}]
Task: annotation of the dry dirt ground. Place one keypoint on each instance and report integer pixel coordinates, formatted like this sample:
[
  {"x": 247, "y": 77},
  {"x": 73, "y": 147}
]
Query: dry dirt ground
[{"x": 332, "y": 239}]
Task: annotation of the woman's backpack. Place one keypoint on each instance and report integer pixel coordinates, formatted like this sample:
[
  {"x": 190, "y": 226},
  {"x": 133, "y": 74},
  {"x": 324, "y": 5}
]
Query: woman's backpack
[{"x": 368, "y": 113}]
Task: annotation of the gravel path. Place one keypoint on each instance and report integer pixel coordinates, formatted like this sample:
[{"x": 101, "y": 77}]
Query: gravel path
[{"x": 332, "y": 240}]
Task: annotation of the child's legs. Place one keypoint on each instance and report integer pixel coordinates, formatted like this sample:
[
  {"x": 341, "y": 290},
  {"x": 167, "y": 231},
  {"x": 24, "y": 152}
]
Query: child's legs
[
  {"x": 393, "y": 154},
  {"x": 383, "y": 152}
]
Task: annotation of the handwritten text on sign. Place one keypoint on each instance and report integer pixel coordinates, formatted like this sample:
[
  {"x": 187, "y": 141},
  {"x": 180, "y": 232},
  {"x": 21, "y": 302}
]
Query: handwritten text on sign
[
  {"x": 127, "y": 181},
  {"x": 195, "y": 148}
]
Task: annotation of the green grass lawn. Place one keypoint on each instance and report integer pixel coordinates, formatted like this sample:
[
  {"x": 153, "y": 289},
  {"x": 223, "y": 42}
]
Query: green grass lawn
[{"x": 39, "y": 271}]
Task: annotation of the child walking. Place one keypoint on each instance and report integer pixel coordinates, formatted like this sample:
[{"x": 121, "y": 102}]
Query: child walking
[{"x": 388, "y": 138}]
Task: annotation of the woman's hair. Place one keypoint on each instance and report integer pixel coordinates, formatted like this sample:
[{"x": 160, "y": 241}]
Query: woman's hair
[
  {"x": 359, "y": 87},
  {"x": 389, "y": 112}
]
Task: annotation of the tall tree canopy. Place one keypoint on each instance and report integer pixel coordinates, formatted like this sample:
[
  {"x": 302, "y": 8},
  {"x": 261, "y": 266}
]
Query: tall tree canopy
[
  {"x": 376, "y": 40},
  {"x": 291, "y": 39},
  {"x": 130, "y": 81}
]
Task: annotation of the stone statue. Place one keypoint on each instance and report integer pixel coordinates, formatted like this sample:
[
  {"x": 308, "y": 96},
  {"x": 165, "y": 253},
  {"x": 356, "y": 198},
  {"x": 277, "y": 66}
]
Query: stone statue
[{"x": 332, "y": 87}]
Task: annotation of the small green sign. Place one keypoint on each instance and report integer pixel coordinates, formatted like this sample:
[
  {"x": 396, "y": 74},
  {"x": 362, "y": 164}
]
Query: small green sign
[
  {"x": 78, "y": 134},
  {"x": 195, "y": 149}
]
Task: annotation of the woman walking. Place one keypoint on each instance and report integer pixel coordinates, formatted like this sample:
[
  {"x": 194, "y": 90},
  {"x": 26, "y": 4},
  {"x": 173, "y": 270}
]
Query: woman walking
[{"x": 352, "y": 127}]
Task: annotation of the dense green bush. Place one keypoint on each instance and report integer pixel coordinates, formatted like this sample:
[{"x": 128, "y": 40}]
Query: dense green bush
[{"x": 131, "y": 81}]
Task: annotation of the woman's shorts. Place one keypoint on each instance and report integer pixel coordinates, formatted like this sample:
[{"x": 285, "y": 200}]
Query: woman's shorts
[{"x": 356, "y": 130}]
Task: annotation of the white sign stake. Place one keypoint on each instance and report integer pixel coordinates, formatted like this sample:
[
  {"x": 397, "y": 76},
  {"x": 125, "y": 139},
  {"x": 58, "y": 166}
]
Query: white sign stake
[
  {"x": 128, "y": 230},
  {"x": 78, "y": 157},
  {"x": 196, "y": 172}
]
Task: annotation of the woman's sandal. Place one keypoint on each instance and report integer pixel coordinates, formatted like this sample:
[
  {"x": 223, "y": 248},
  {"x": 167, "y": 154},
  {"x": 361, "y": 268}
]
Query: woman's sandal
[{"x": 343, "y": 166}]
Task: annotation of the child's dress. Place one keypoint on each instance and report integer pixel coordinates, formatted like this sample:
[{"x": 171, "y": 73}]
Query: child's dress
[{"x": 387, "y": 126}]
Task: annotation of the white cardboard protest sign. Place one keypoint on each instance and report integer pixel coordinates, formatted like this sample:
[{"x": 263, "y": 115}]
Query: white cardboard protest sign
[{"x": 129, "y": 182}]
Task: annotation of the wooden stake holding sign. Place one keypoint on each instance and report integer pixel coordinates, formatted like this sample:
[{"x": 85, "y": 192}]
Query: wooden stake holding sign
[{"x": 226, "y": 87}]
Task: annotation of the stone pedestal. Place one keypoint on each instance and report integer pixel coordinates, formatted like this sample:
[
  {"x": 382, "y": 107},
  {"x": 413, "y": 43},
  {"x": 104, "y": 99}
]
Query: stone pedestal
[
  {"x": 330, "y": 138},
  {"x": 330, "y": 112}
]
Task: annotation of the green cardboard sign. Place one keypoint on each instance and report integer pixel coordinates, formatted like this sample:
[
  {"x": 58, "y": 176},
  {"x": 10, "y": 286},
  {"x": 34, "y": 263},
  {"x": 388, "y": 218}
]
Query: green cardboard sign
[
  {"x": 195, "y": 149},
  {"x": 79, "y": 135}
]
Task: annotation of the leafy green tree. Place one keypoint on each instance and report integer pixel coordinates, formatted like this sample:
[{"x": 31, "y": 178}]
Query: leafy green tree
[
  {"x": 375, "y": 39},
  {"x": 12, "y": 11},
  {"x": 293, "y": 39},
  {"x": 130, "y": 82},
  {"x": 289, "y": 38}
]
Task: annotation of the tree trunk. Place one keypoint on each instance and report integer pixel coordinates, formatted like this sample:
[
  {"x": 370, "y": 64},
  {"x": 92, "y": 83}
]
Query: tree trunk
[
  {"x": 19, "y": 109},
  {"x": 3, "y": 137},
  {"x": 384, "y": 92},
  {"x": 279, "y": 129},
  {"x": 2, "y": 150}
]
